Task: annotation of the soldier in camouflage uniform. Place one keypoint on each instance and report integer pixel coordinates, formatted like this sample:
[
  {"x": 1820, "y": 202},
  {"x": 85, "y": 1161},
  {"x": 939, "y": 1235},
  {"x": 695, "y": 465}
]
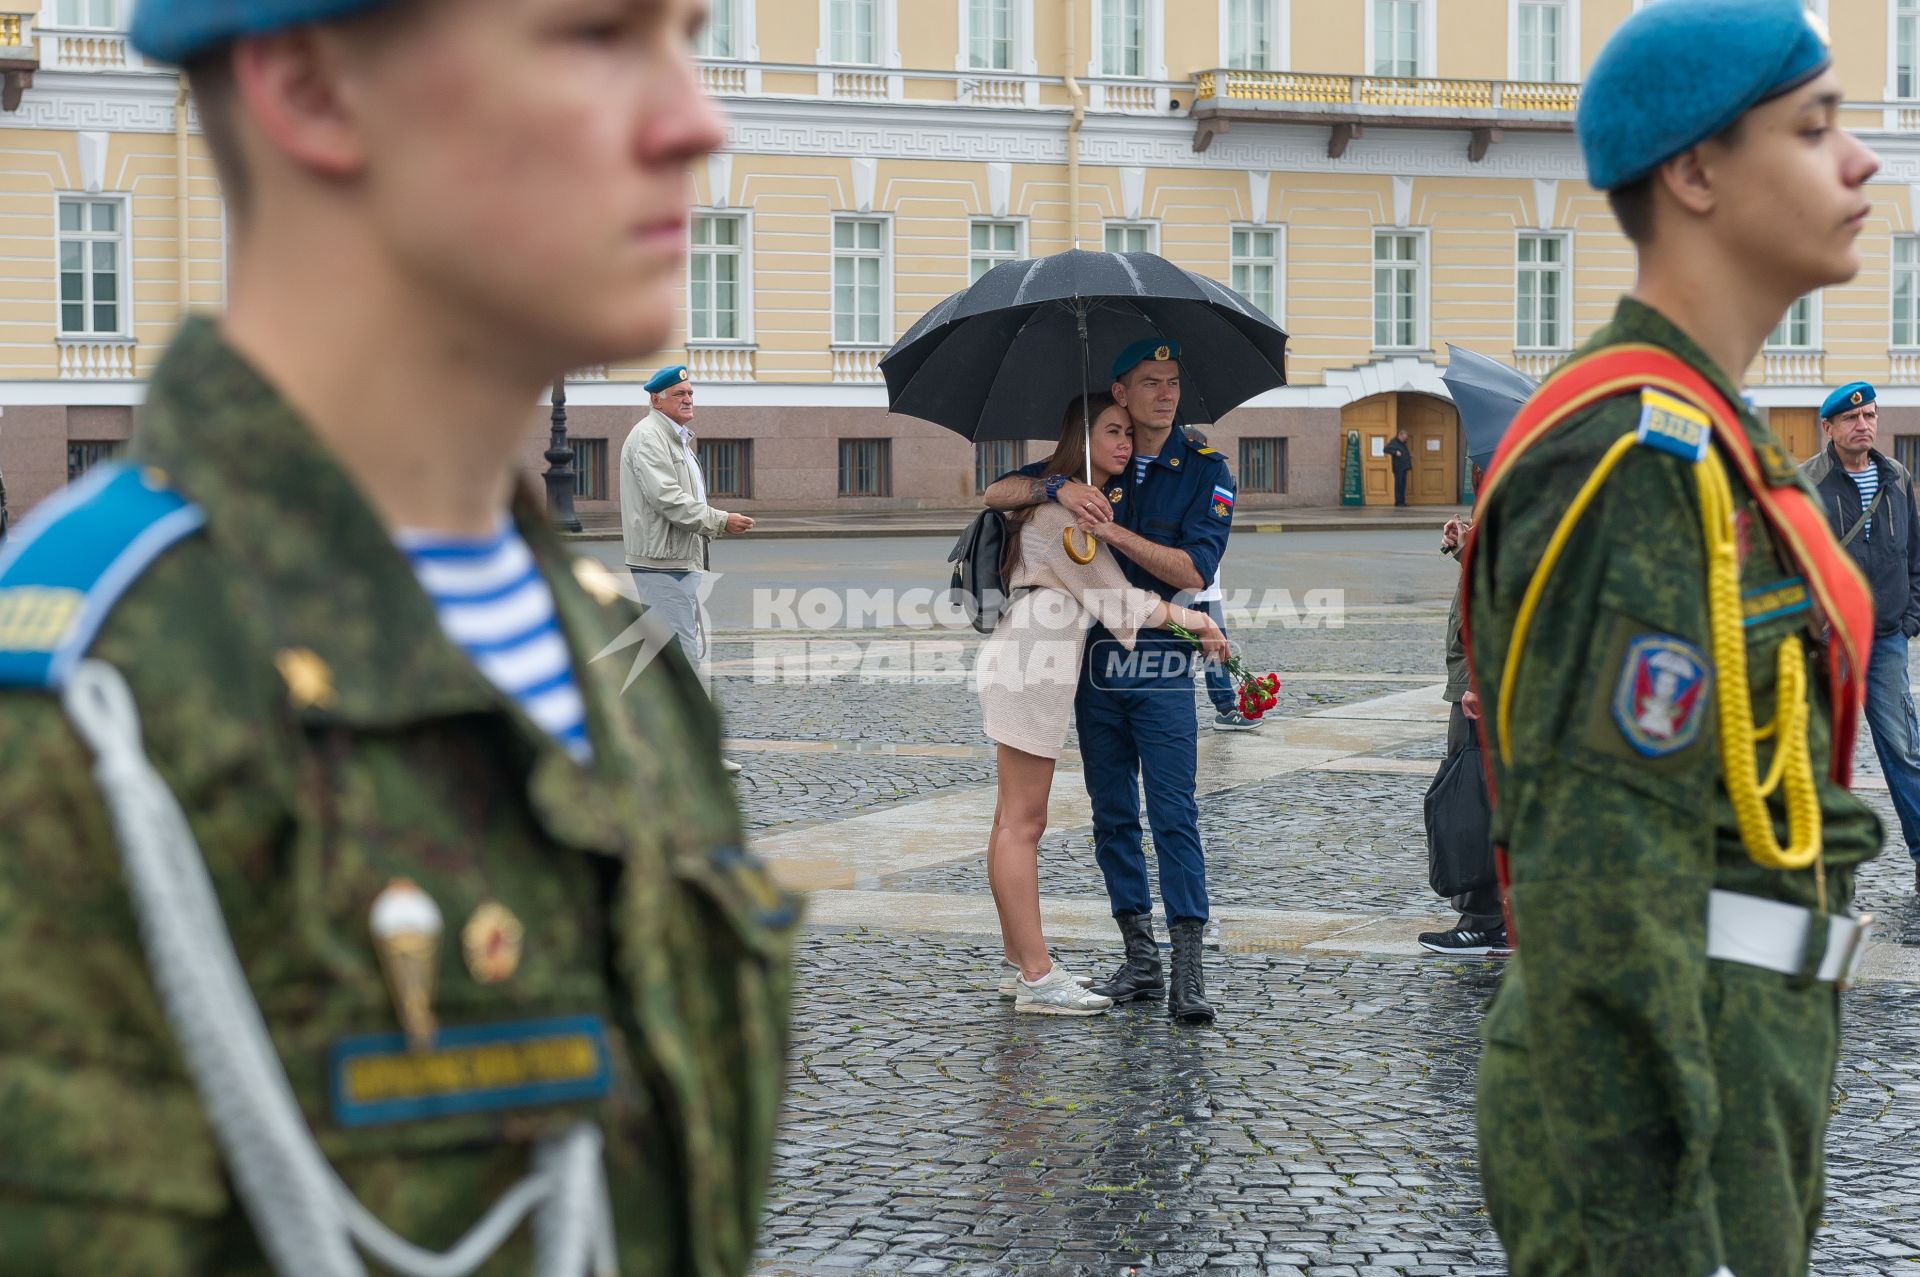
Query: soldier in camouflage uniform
[
  {"x": 329, "y": 742},
  {"x": 1668, "y": 735}
]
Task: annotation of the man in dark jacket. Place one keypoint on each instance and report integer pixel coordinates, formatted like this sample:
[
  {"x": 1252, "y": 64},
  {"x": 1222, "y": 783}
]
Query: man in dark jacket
[
  {"x": 1401, "y": 455},
  {"x": 1868, "y": 498}
]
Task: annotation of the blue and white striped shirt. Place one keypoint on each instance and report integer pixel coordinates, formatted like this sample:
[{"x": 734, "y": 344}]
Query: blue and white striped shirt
[
  {"x": 1868, "y": 481},
  {"x": 1140, "y": 465},
  {"x": 496, "y": 607}
]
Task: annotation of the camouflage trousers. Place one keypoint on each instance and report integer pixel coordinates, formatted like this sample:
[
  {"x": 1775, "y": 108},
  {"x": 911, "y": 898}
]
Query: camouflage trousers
[{"x": 1774, "y": 1043}]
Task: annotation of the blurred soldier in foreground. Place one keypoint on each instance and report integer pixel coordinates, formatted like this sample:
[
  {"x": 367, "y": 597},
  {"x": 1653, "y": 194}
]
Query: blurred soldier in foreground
[
  {"x": 1669, "y": 735},
  {"x": 449, "y": 920}
]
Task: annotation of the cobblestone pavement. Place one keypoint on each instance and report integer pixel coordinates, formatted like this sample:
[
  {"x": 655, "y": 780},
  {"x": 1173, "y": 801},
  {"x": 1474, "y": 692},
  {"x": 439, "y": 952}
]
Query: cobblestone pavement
[{"x": 1323, "y": 1129}]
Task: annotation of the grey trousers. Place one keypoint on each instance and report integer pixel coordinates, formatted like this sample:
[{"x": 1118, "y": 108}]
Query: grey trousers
[{"x": 673, "y": 600}]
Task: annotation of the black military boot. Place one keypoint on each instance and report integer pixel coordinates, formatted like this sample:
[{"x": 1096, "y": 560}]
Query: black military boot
[
  {"x": 1139, "y": 974},
  {"x": 1187, "y": 993}
]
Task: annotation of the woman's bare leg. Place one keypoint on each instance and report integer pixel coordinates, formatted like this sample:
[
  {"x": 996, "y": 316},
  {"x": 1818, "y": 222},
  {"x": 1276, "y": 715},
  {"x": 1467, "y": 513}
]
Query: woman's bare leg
[{"x": 1019, "y": 818}]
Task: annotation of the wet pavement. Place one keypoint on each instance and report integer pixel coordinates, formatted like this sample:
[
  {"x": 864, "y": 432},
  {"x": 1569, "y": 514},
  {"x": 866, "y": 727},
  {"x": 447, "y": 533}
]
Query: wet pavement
[{"x": 1324, "y": 1126}]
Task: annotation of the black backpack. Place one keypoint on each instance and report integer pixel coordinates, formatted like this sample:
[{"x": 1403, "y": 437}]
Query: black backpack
[{"x": 979, "y": 559}]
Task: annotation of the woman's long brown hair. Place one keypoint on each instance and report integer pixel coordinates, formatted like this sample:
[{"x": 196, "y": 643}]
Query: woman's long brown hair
[{"x": 1069, "y": 458}]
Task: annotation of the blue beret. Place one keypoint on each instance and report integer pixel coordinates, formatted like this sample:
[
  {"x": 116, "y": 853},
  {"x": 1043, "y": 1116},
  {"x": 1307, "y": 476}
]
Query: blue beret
[
  {"x": 1679, "y": 72},
  {"x": 175, "y": 30},
  {"x": 1850, "y": 396},
  {"x": 1141, "y": 351},
  {"x": 672, "y": 375}
]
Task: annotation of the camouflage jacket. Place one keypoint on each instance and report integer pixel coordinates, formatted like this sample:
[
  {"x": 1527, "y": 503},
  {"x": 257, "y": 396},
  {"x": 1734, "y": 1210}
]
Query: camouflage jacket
[
  {"x": 1612, "y": 852},
  {"x": 626, "y": 874}
]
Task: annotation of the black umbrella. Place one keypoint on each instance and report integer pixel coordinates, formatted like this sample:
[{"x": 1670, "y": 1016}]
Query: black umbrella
[
  {"x": 1002, "y": 359},
  {"x": 1488, "y": 396}
]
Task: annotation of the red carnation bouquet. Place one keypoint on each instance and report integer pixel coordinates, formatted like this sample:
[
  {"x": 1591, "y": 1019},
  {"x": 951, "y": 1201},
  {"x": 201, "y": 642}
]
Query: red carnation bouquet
[{"x": 1258, "y": 692}]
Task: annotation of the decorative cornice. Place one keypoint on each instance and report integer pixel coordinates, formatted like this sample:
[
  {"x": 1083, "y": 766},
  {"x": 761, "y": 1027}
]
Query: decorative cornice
[{"x": 99, "y": 100}]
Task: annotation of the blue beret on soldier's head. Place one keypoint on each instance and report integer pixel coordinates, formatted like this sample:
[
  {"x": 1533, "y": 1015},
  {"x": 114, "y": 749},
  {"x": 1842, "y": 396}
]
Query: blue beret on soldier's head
[
  {"x": 1680, "y": 71},
  {"x": 671, "y": 375},
  {"x": 1855, "y": 394},
  {"x": 1141, "y": 351},
  {"x": 174, "y": 30}
]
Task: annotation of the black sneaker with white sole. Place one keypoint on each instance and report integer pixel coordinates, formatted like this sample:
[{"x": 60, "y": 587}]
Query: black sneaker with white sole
[{"x": 1467, "y": 942}]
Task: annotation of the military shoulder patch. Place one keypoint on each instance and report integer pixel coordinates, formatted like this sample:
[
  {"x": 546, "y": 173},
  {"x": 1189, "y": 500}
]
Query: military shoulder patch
[
  {"x": 70, "y": 562},
  {"x": 1661, "y": 695},
  {"x": 1222, "y": 502},
  {"x": 1674, "y": 425}
]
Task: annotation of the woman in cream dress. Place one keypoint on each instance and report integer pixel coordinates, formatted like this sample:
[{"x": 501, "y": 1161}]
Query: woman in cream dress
[{"x": 1026, "y": 676}]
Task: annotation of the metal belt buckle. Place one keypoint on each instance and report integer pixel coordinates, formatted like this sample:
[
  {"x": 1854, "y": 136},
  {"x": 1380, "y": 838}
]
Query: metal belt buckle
[{"x": 1855, "y": 954}]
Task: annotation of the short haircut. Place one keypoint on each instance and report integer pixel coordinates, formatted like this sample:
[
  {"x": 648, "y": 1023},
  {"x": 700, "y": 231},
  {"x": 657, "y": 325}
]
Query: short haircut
[
  {"x": 215, "y": 96},
  {"x": 1632, "y": 204}
]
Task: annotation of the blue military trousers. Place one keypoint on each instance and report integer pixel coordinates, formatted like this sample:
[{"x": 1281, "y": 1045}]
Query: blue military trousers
[
  {"x": 1144, "y": 731},
  {"x": 1896, "y": 734}
]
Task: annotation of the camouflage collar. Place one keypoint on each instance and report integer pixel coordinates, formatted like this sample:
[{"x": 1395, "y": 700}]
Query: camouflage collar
[{"x": 327, "y": 576}]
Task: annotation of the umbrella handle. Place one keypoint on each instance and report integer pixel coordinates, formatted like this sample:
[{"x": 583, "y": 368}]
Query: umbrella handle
[{"x": 1078, "y": 556}]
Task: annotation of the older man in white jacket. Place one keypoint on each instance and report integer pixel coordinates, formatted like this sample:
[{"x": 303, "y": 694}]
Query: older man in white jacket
[{"x": 664, "y": 514}]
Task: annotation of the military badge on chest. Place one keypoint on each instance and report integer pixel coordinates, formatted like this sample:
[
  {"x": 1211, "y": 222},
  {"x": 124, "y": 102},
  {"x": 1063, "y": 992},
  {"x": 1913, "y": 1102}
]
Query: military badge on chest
[
  {"x": 428, "y": 1070},
  {"x": 1661, "y": 695}
]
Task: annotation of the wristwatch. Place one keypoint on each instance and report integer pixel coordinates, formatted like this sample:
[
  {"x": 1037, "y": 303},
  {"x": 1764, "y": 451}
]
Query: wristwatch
[{"x": 1055, "y": 482}]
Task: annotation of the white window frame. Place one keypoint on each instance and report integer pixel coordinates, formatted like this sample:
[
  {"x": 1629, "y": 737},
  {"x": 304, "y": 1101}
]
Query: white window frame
[
  {"x": 1153, "y": 56},
  {"x": 1896, "y": 11},
  {"x": 1423, "y": 287},
  {"x": 886, "y": 327},
  {"x": 745, "y": 218},
  {"x": 886, "y": 37},
  {"x": 1814, "y": 316},
  {"x": 1278, "y": 261},
  {"x": 1428, "y": 39},
  {"x": 1563, "y": 319},
  {"x": 1569, "y": 40},
  {"x": 1279, "y": 25},
  {"x": 1913, "y": 294},
  {"x": 1019, "y": 225},
  {"x": 123, "y": 269},
  {"x": 1021, "y": 59},
  {"x": 50, "y": 16},
  {"x": 1120, "y": 223},
  {"x": 746, "y": 40}
]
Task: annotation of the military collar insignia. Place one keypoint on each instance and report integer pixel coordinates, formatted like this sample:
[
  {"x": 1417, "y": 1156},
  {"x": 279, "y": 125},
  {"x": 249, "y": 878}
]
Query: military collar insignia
[{"x": 1174, "y": 462}]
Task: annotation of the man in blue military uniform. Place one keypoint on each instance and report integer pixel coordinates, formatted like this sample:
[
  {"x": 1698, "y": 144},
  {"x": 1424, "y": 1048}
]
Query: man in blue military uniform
[{"x": 1168, "y": 522}]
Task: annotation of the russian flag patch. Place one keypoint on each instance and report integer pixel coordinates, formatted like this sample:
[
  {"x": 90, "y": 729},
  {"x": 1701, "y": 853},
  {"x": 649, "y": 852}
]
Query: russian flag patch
[{"x": 1222, "y": 502}]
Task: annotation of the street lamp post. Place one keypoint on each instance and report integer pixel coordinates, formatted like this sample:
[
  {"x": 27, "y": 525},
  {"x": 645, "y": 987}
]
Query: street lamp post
[{"x": 559, "y": 476}]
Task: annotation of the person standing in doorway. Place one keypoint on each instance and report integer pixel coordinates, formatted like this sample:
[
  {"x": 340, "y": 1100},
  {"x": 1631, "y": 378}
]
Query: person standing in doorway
[
  {"x": 1868, "y": 499},
  {"x": 1400, "y": 453}
]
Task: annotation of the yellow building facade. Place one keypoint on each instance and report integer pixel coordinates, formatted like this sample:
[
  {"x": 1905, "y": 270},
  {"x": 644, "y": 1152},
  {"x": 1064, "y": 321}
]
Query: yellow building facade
[{"x": 1385, "y": 177}]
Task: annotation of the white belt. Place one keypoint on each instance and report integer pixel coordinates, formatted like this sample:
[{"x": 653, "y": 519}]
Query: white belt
[{"x": 1773, "y": 935}]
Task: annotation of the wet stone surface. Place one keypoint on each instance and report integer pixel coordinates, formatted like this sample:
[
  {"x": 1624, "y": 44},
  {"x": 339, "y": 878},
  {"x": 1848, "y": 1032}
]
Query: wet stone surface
[
  {"x": 781, "y": 790},
  {"x": 1325, "y": 1127},
  {"x": 1337, "y": 841}
]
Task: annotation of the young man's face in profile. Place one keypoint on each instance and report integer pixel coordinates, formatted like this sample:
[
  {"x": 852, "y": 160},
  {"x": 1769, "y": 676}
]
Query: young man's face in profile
[{"x": 531, "y": 161}]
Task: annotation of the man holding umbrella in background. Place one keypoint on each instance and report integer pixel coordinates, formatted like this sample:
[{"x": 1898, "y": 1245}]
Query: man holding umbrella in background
[{"x": 1169, "y": 525}]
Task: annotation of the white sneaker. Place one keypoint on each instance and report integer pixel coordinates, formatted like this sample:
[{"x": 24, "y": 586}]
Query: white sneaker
[
  {"x": 730, "y": 767},
  {"x": 1010, "y": 987},
  {"x": 1058, "y": 992}
]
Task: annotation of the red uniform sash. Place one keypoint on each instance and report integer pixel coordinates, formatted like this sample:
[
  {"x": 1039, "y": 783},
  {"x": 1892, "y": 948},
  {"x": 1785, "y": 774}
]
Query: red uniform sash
[{"x": 1839, "y": 590}]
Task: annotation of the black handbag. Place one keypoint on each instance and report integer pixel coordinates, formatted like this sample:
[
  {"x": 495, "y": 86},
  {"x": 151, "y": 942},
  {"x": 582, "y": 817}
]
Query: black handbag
[{"x": 1460, "y": 826}]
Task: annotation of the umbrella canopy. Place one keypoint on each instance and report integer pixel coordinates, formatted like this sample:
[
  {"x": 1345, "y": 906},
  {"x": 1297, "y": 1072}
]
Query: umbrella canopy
[
  {"x": 1488, "y": 395},
  {"x": 1002, "y": 359}
]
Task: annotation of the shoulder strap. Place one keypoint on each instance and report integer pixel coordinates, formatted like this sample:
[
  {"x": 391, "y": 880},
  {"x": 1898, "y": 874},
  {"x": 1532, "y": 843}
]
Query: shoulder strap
[
  {"x": 1845, "y": 603},
  {"x": 63, "y": 571},
  {"x": 1865, "y": 516}
]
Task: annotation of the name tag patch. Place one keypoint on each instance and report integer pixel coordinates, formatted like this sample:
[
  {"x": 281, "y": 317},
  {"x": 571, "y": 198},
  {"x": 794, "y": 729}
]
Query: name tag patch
[
  {"x": 1770, "y": 602},
  {"x": 375, "y": 1079},
  {"x": 1674, "y": 425},
  {"x": 1663, "y": 687}
]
